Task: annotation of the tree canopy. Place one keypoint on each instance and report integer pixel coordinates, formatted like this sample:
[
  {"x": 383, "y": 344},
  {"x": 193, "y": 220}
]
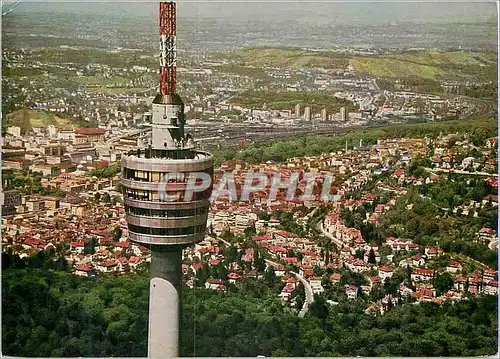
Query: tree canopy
[{"x": 55, "y": 313}]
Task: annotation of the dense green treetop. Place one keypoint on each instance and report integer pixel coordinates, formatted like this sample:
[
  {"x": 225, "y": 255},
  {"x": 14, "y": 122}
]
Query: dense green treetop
[{"x": 54, "y": 313}]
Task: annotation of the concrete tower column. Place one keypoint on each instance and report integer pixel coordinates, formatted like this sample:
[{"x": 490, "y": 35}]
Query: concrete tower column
[
  {"x": 164, "y": 314},
  {"x": 164, "y": 301},
  {"x": 166, "y": 263}
]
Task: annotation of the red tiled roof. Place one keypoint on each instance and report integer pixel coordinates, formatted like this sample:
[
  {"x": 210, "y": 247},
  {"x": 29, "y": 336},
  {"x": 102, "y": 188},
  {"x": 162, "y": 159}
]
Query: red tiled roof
[
  {"x": 385, "y": 269},
  {"x": 214, "y": 281},
  {"x": 424, "y": 272},
  {"x": 134, "y": 260},
  {"x": 109, "y": 263},
  {"x": 266, "y": 237},
  {"x": 490, "y": 272},
  {"x": 486, "y": 230},
  {"x": 89, "y": 131},
  {"x": 286, "y": 234},
  {"x": 336, "y": 276},
  {"x": 197, "y": 266},
  {"x": 492, "y": 283},
  {"x": 84, "y": 267},
  {"x": 106, "y": 240},
  {"x": 122, "y": 244}
]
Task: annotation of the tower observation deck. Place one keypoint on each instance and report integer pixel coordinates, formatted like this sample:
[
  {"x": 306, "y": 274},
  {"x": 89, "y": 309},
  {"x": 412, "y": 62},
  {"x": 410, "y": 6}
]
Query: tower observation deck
[{"x": 149, "y": 176}]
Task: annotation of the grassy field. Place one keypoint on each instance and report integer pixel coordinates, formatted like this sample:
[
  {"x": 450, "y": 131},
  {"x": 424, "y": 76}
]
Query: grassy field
[
  {"x": 395, "y": 68},
  {"x": 444, "y": 65},
  {"x": 255, "y": 73},
  {"x": 27, "y": 119}
]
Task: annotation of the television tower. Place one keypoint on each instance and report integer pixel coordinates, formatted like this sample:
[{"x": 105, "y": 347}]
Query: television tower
[{"x": 159, "y": 212}]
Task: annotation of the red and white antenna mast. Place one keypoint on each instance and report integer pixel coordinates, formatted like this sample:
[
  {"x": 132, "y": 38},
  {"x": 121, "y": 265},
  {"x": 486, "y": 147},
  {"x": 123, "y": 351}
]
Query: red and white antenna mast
[{"x": 168, "y": 48}]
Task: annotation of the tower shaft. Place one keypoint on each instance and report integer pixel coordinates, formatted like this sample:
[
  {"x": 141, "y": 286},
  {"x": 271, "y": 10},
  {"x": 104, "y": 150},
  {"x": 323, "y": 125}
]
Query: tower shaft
[{"x": 159, "y": 213}]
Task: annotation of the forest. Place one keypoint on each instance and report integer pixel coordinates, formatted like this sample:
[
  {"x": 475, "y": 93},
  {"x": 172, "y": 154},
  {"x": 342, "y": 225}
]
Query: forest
[{"x": 50, "y": 312}]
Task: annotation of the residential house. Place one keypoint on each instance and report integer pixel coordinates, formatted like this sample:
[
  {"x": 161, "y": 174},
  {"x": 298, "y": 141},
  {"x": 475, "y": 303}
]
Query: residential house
[
  {"x": 424, "y": 293},
  {"x": 351, "y": 291},
  {"x": 385, "y": 272},
  {"x": 233, "y": 277},
  {"x": 134, "y": 261},
  {"x": 491, "y": 287},
  {"x": 286, "y": 292},
  {"x": 454, "y": 267},
  {"x": 107, "y": 266},
  {"x": 459, "y": 283},
  {"x": 432, "y": 252},
  {"x": 372, "y": 281},
  {"x": 83, "y": 270},
  {"x": 215, "y": 284},
  {"x": 306, "y": 271},
  {"x": 422, "y": 274},
  {"x": 316, "y": 286},
  {"x": 489, "y": 275},
  {"x": 77, "y": 247},
  {"x": 418, "y": 260},
  {"x": 335, "y": 277}
]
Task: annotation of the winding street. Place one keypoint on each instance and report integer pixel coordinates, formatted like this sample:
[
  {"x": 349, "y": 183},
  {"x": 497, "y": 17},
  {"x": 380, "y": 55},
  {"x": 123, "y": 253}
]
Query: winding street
[
  {"x": 307, "y": 289},
  {"x": 335, "y": 240},
  {"x": 309, "y": 294},
  {"x": 477, "y": 173},
  {"x": 493, "y": 245}
]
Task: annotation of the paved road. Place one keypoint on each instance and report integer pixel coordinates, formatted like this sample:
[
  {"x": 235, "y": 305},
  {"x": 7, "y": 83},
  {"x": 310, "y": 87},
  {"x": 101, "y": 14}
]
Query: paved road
[
  {"x": 493, "y": 245},
  {"x": 464, "y": 258},
  {"x": 334, "y": 239},
  {"x": 309, "y": 295},
  {"x": 307, "y": 289},
  {"x": 461, "y": 172}
]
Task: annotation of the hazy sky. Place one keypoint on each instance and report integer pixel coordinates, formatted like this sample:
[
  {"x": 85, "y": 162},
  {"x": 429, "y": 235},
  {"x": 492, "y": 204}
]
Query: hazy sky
[{"x": 317, "y": 12}]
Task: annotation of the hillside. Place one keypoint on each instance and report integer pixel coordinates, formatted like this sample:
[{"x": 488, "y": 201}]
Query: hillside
[
  {"x": 286, "y": 57},
  {"x": 449, "y": 65},
  {"x": 431, "y": 65},
  {"x": 27, "y": 119}
]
